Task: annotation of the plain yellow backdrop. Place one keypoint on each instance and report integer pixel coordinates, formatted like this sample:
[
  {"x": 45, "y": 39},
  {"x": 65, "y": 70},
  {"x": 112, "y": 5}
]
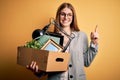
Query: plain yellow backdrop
[{"x": 18, "y": 19}]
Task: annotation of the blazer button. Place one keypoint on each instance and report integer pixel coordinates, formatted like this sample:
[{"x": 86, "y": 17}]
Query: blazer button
[
  {"x": 70, "y": 65},
  {"x": 71, "y": 76}
]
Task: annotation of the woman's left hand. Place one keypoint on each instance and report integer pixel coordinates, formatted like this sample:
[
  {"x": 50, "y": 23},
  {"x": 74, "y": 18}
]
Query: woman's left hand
[{"x": 94, "y": 36}]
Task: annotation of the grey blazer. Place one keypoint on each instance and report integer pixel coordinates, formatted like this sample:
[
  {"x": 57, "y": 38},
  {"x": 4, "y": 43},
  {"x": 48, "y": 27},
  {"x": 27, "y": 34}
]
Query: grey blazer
[{"x": 81, "y": 55}]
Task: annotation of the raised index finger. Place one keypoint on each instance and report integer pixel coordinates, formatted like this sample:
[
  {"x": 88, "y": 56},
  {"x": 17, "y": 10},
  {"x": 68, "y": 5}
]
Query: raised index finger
[{"x": 96, "y": 28}]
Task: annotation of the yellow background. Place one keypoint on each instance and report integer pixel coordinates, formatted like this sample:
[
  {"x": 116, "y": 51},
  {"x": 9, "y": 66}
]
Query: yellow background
[{"x": 18, "y": 18}]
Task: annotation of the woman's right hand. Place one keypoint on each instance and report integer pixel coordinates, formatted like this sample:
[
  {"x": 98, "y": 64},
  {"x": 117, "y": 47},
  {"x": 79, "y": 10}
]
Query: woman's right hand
[{"x": 33, "y": 67}]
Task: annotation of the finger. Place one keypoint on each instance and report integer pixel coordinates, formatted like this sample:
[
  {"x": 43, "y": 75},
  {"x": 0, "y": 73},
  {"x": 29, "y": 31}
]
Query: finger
[
  {"x": 96, "y": 28},
  {"x": 34, "y": 65},
  {"x": 31, "y": 65},
  {"x": 27, "y": 66},
  {"x": 36, "y": 68},
  {"x": 92, "y": 35}
]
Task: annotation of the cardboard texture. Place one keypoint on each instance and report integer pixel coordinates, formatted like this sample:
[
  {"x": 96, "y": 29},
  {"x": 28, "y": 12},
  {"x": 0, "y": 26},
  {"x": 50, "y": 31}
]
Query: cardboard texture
[{"x": 47, "y": 61}]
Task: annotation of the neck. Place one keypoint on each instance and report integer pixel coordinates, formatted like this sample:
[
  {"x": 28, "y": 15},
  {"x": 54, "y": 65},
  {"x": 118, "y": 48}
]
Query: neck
[{"x": 67, "y": 30}]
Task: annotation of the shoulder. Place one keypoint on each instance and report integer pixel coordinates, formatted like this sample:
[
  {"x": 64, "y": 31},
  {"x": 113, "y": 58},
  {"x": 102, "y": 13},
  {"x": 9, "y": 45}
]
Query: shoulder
[{"x": 79, "y": 34}]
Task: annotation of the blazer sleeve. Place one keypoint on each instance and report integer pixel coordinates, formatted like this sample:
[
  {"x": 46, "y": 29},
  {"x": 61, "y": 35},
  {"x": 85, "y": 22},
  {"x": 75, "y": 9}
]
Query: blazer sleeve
[
  {"x": 41, "y": 74},
  {"x": 89, "y": 52}
]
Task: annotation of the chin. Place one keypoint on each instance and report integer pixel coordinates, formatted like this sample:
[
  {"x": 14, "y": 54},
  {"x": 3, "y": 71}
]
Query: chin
[{"x": 66, "y": 24}]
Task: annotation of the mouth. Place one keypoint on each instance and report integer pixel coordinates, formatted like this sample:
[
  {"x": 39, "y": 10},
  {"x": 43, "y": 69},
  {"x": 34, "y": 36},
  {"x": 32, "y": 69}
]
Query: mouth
[{"x": 65, "y": 21}]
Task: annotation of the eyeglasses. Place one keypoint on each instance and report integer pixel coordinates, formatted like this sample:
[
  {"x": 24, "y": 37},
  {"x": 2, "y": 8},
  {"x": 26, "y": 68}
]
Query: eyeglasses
[{"x": 62, "y": 14}]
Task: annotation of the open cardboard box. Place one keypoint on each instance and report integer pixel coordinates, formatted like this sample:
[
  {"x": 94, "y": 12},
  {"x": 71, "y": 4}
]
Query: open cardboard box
[{"x": 48, "y": 61}]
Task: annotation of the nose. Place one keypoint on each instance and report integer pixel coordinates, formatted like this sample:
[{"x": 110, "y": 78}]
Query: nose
[{"x": 66, "y": 16}]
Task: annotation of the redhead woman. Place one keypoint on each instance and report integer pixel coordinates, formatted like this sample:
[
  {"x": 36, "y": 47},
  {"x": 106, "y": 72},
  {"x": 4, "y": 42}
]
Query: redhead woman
[{"x": 81, "y": 53}]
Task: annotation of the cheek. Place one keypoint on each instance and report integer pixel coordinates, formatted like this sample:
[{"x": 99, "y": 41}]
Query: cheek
[
  {"x": 60, "y": 19},
  {"x": 71, "y": 21}
]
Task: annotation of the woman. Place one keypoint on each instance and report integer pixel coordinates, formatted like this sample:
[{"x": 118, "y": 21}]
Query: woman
[{"x": 81, "y": 54}]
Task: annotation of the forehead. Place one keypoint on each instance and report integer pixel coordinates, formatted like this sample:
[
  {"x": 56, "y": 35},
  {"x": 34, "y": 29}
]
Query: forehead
[{"x": 66, "y": 10}]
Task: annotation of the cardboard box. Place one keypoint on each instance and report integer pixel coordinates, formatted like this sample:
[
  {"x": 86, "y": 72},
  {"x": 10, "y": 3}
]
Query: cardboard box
[{"x": 47, "y": 61}]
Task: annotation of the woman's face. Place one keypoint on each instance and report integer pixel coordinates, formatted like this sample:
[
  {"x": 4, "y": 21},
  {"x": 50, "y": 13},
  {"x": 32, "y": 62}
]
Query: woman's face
[{"x": 66, "y": 17}]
